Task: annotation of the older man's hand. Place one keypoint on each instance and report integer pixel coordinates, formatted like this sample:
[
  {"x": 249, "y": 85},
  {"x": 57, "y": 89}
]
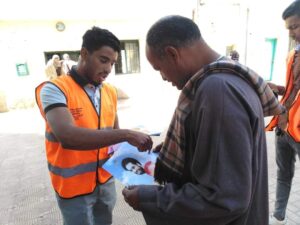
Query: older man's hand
[{"x": 131, "y": 196}]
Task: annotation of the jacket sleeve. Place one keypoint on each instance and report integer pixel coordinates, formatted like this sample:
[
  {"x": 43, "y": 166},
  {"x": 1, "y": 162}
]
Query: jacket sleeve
[{"x": 222, "y": 163}]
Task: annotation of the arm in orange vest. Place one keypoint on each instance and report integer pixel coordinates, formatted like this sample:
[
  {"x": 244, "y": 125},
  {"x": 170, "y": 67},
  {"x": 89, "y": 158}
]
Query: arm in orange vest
[{"x": 78, "y": 138}]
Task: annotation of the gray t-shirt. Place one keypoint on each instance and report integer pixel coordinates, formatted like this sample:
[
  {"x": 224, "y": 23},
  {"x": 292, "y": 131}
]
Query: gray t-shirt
[{"x": 51, "y": 94}]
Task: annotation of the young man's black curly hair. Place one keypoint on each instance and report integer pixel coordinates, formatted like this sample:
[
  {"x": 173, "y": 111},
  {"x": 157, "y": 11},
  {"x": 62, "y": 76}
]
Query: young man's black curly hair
[{"x": 95, "y": 38}]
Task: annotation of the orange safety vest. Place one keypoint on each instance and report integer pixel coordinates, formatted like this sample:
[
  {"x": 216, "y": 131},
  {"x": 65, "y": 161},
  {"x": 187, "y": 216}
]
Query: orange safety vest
[
  {"x": 75, "y": 172},
  {"x": 293, "y": 126}
]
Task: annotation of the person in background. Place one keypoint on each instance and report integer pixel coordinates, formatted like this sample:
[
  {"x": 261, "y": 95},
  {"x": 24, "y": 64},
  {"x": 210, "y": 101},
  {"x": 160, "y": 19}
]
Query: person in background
[
  {"x": 53, "y": 68},
  {"x": 80, "y": 111},
  {"x": 234, "y": 55},
  {"x": 67, "y": 63},
  {"x": 287, "y": 125},
  {"x": 212, "y": 166}
]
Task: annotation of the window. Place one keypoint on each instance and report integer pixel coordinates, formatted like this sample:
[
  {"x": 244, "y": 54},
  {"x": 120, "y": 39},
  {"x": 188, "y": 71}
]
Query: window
[{"x": 129, "y": 58}]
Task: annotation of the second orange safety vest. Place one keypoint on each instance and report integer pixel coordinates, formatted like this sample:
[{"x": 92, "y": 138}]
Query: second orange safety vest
[{"x": 293, "y": 126}]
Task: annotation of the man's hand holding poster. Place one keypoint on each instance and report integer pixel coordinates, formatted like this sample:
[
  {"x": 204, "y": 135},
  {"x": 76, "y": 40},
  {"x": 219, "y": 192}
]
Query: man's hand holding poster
[{"x": 131, "y": 166}]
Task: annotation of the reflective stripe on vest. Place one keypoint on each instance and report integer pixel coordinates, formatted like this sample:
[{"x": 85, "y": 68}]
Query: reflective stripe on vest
[{"x": 76, "y": 170}]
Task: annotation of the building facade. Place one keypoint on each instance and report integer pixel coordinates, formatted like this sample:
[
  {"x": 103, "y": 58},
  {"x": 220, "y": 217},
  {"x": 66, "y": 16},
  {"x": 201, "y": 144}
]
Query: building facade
[{"x": 30, "y": 36}]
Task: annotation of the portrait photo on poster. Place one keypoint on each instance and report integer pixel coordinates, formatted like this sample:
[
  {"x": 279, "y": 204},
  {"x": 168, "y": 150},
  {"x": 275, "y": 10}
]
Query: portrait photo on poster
[{"x": 130, "y": 166}]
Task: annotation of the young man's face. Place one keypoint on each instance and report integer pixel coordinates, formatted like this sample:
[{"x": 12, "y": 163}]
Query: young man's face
[
  {"x": 98, "y": 64},
  {"x": 135, "y": 168},
  {"x": 292, "y": 23}
]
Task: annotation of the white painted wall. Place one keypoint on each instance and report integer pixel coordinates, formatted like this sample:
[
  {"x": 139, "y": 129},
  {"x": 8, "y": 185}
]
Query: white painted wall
[
  {"x": 246, "y": 24},
  {"x": 27, "y": 32}
]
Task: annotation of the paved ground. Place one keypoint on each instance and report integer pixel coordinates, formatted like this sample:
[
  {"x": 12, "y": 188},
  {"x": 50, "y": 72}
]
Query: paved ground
[{"x": 26, "y": 196}]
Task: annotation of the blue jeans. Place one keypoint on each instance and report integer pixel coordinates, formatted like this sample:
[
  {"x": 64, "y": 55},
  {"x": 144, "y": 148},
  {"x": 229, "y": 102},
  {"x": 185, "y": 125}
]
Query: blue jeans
[
  {"x": 92, "y": 209},
  {"x": 286, "y": 150}
]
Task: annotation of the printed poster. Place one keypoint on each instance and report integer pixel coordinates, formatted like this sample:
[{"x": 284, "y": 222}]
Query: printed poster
[{"x": 130, "y": 166}]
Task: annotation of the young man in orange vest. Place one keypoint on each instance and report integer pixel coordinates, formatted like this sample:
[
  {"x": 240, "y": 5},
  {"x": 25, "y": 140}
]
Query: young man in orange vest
[
  {"x": 80, "y": 111},
  {"x": 287, "y": 125}
]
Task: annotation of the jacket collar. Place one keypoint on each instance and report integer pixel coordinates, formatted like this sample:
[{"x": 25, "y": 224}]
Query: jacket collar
[{"x": 82, "y": 81}]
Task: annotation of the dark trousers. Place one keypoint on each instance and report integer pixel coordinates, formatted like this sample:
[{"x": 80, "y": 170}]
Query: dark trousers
[{"x": 286, "y": 150}]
